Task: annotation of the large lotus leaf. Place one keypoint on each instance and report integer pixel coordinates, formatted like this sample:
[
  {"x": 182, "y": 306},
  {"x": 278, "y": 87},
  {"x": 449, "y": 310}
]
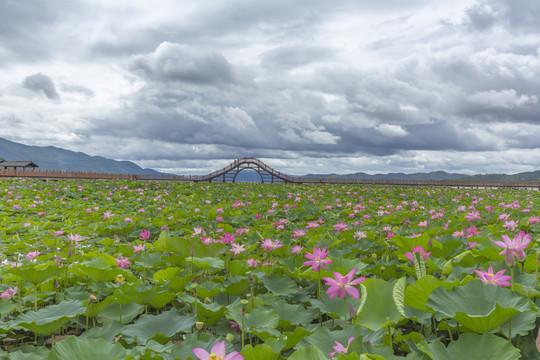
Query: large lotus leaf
[
  {"x": 161, "y": 299},
  {"x": 334, "y": 307},
  {"x": 380, "y": 309},
  {"x": 94, "y": 308},
  {"x": 209, "y": 289},
  {"x": 308, "y": 353},
  {"x": 279, "y": 285},
  {"x": 417, "y": 293},
  {"x": 148, "y": 260},
  {"x": 261, "y": 318},
  {"x": 167, "y": 323},
  {"x": 210, "y": 313},
  {"x": 522, "y": 323},
  {"x": 259, "y": 352},
  {"x": 471, "y": 346},
  {"x": 107, "y": 332},
  {"x": 207, "y": 263},
  {"x": 479, "y": 307},
  {"x": 237, "y": 285},
  {"x": 293, "y": 314},
  {"x": 293, "y": 338},
  {"x": 323, "y": 338},
  {"x": 74, "y": 348},
  {"x": 26, "y": 352},
  {"x": 98, "y": 270},
  {"x": 160, "y": 277},
  {"x": 141, "y": 294},
  {"x": 129, "y": 312},
  {"x": 36, "y": 274},
  {"x": 48, "y": 320}
]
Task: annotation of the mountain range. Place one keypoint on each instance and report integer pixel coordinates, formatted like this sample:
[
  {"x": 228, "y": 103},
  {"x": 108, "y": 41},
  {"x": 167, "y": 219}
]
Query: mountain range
[{"x": 53, "y": 158}]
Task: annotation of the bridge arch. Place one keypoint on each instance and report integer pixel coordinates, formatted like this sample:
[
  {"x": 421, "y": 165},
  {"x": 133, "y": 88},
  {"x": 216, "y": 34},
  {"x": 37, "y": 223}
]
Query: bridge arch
[{"x": 230, "y": 172}]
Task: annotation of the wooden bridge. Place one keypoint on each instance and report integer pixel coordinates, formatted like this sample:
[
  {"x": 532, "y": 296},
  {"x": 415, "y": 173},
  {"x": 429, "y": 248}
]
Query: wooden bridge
[{"x": 266, "y": 173}]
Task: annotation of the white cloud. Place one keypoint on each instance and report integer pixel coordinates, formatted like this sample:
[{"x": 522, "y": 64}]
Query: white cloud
[
  {"x": 507, "y": 98},
  {"x": 391, "y": 130}
]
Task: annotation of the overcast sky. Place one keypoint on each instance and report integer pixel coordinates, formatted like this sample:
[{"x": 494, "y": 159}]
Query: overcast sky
[{"x": 308, "y": 86}]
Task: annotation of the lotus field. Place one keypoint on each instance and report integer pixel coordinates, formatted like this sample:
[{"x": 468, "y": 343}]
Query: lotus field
[{"x": 156, "y": 270}]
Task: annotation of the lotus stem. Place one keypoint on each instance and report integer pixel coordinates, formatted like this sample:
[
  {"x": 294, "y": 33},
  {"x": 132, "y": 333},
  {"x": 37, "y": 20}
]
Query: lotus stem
[
  {"x": 344, "y": 312},
  {"x": 510, "y": 331}
]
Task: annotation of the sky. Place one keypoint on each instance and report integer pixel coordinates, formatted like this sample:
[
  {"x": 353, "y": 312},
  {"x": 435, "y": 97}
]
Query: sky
[{"x": 307, "y": 86}]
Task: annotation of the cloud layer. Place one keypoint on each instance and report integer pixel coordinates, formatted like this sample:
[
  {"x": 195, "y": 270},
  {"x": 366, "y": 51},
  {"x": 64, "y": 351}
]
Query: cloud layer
[{"x": 307, "y": 86}]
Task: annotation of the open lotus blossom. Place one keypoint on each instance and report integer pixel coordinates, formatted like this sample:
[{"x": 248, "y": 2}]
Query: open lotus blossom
[
  {"x": 237, "y": 249},
  {"x": 473, "y": 215},
  {"x": 144, "y": 235},
  {"x": 137, "y": 248},
  {"x": 31, "y": 255},
  {"x": 296, "y": 249},
  {"x": 123, "y": 262},
  {"x": 513, "y": 249},
  {"x": 510, "y": 225},
  {"x": 227, "y": 238},
  {"x": 268, "y": 244},
  {"x": 318, "y": 258},
  {"x": 342, "y": 285},
  {"x": 218, "y": 353},
  {"x": 340, "y": 349},
  {"x": 417, "y": 249},
  {"x": 340, "y": 226},
  {"x": 9, "y": 293},
  {"x": 75, "y": 239},
  {"x": 488, "y": 277}
]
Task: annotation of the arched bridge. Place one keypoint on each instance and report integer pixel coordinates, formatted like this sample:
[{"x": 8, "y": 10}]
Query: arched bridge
[{"x": 230, "y": 172}]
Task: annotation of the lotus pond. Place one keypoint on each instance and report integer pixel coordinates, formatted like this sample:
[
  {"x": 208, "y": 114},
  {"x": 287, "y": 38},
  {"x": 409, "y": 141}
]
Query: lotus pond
[{"x": 155, "y": 270}]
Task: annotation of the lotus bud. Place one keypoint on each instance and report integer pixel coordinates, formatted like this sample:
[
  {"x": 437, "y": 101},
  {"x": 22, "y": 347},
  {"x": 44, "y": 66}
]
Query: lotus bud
[
  {"x": 69, "y": 253},
  {"x": 56, "y": 284},
  {"x": 119, "y": 279},
  {"x": 538, "y": 341},
  {"x": 207, "y": 300},
  {"x": 92, "y": 297},
  {"x": 199, "y": 325}
]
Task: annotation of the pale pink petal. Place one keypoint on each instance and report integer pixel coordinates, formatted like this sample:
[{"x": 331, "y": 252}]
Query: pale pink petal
[{"x": 201, "y": 354}]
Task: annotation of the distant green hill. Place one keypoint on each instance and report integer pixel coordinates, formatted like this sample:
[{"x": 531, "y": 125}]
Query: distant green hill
[
  {"x": 53, "y": 158},
  {"x": 435, "y": 175}
]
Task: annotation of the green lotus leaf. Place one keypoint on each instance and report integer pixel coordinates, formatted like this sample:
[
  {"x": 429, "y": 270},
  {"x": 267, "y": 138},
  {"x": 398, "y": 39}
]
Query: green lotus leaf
[
  {"x": 129, "y": 312},
  {"x": 471, "y": 346},
  {"x": 308, "y": 353},
  {"x": 380, "y": 308},
  {"x": 167, "y": 323},
  {"x": 36, "y": 274},
  {"x": 417, "y": 293},
  {"x": 164, "y": 275},
  {"x": 49, "y": 319},
  {"x": 98, "y": 270},
  {"x": 293, "y": 314},
  {"x": 279, "y": 285},
  {"x": 210, "y": 313},
  {"x": 259, "y": 352},
  {"x": 237, "y": 285},
  {"x": 479, "y": 307},
  {"x": 209, "y": 289},
  {"x": 207, "y": 263},
  {"x": 107, "y": 332},
  {"x": 26, "y": 352},
  {"x": 94, "y": 308},
  {"x": 296, "y": 336},
  {"x": 74, "y": 348},
  {"x": 142, "y": 294},
  {"x": 522, "y": 323}
]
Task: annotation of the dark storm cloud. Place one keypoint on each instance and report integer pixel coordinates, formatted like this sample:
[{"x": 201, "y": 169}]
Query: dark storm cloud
[
  {"x": 177, "y": 62},
  {"x": 41, "y": 83}
]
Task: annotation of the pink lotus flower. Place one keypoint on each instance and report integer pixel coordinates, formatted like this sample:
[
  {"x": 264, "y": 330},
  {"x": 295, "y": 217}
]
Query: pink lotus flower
[
  {"x": 417, "y": 249},
  {"x": 9, "y": 293},
  {"x": 298, "y": 233},
  {"x": 252, "y": 262},
  {"x": 123, "y": 262},
  {"x": 75, "y": 239},
  {"x": 510, "y": 225},
  {"x": 218, "y": 353},
  {"x": 138, "y": 248},
  {"x": 144, "y": 235},
  {"x": 343, "y": 285},
  {"x": 318, "y": 258},
  {"x": 534, "y": 220},
  {"x": 513, "y": 249},
  {"x": 473, "y": 215},
  {"x": 268, "y": 245},
  {"x": 31, "y": 255},
  {"x": 237, "y": 249},
  {"x": 296, "y": 249},
  {"x": 494, "y": 279},
  {"x": 340, "y": 349},
  {"x": 227, "y": 238},
  {"x": 340, "y": 226}
]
